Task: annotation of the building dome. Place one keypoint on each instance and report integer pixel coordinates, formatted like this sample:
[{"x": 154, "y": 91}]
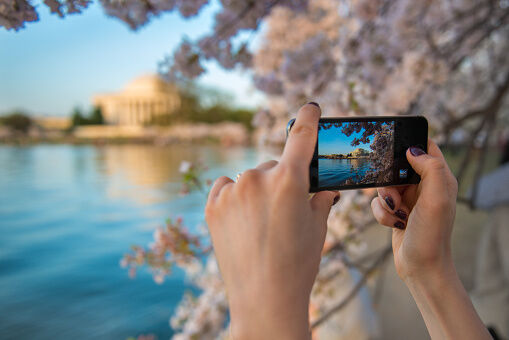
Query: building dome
[{"x": 149, "y": 83}]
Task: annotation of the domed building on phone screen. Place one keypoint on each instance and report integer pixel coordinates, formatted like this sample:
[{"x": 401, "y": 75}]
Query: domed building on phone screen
[{"x": 140, "y": 102}]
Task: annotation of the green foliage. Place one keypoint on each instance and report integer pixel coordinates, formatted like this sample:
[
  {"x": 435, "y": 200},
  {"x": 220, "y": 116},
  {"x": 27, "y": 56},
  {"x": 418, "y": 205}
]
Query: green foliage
[
  {"x": 207, "y": 106},
  {"x": 95, "y": 117},
  {"x": 17, "y": 121}
]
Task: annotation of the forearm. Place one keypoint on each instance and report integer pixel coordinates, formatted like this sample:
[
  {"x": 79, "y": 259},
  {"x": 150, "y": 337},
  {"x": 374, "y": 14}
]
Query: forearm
[{"x": 446, "y": 306}]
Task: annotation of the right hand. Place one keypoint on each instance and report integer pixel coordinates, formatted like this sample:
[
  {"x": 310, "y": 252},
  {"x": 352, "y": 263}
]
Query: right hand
[
  {"x": 268, "y": 237},
  {"x": 421, "y": 216}
]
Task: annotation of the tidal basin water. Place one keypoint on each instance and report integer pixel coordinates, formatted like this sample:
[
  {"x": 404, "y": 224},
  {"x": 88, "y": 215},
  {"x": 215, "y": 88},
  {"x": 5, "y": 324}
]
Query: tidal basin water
[
  {"x": 69, "y": 213},
  {"x": 333, "y": 172}
]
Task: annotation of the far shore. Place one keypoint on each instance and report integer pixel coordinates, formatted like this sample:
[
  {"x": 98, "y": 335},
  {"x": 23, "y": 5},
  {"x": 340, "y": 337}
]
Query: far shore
[
  {"x": 225, "y": 133},
  {"x": 342, "y": 157}
]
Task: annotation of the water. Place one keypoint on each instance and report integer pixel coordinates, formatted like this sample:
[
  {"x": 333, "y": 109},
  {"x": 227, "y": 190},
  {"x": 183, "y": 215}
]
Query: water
[
  {"x": 69, "y": 213},
  {"x": 334, "y": 172}
]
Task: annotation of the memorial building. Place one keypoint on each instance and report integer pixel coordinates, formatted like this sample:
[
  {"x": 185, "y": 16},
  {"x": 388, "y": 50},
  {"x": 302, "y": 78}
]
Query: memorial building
[{"x": 139, "y": 102}]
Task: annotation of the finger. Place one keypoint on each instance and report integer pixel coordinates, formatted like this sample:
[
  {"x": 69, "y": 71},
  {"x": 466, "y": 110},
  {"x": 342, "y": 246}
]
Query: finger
[
  {"x": 384, "y": 217},
  {"x": 402, "y": 212},
  {"x": 409, "y": 196},
  {"x": 434, "y": 150},
  {"x": 439, "y": 186},
  {"x": 391, "y": 198},
  {"x": 322, "y": 201},
  {"x": 218, "y": 185},
  {"x": 267, "y": 165},
  {"x": 423, "y": 162},
  {"x": 301, "y": 141}
]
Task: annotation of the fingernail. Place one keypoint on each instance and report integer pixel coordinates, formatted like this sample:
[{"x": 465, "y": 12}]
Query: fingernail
[
  {"x": 399, "y": 225},
  {"x": 414, "y": 150},
  {"x": 315, "y": 104},
  {"x": 400, "y": 214},
  {"x": 389, "y": 202},
  {"x": 336, "y": 200}
]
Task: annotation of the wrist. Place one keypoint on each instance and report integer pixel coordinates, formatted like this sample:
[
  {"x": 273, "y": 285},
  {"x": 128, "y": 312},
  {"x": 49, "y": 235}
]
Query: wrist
[
  {"x": 269, "y": 320},
  {"x": 432, "y": 268},
  {"x": 433, "y": 281}
]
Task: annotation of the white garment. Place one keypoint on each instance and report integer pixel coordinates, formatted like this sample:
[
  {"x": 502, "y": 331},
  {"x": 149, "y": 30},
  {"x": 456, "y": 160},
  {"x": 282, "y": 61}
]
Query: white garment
[{"x": 491, "y": 282}]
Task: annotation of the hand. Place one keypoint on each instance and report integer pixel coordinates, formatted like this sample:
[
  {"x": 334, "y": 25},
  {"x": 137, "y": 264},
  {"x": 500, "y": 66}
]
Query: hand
[
  {"x": 268, "y": 237},
  {"x": 422, "y": 246},
  {"x": 421, "y": 242}
]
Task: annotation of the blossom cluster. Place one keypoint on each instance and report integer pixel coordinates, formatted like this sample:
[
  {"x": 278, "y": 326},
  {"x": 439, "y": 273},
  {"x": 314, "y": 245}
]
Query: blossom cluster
[
  {"x": 205, "y": 315},
  {"x": 173, "y": 244},
  {"x": 14, "y": 13},
  {"x": 364, "y": 57}
]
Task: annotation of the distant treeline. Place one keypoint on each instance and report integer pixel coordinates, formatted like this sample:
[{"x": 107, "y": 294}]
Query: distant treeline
[
  {"x": 17, "y": 121},
  {"x": 357, "y": 153},
  {"x": 341, "y": 156},
  {"x": 205, "y": 105},
  {"x": 94, "y": 117}
]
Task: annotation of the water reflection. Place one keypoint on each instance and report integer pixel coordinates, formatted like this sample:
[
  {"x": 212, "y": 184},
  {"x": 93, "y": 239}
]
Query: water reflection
[
  {"x": 156, "y": 169},
  {"x": 68, "y": 213}
]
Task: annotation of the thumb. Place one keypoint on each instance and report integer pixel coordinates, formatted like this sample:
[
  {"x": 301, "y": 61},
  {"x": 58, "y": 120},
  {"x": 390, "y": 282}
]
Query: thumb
[
  {"x": 426, "y": 165},
  {"x": 322, "y": 202}
]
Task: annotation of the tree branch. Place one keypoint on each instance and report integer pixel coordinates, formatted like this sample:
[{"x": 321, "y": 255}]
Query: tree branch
[
  {"x": 470, "y": 149},
  {"x": 486, "y": 34},
  {"x": 460, "y": 15},
  {"x": 353, "y": 292},
  {"x": 453, "y": 45},
  {"x": 457, "y": 122},
  {"x": 340, "y": 245},
  {"x": 490, "y": 113},
  {"x": 482, "y": 159}
]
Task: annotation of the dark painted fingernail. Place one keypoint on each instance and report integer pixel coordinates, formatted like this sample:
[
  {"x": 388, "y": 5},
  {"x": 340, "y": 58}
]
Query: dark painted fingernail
[
  {"x": 336, "y": 200},
  {"x": 400, "y": 214},
  {"x": 399, "y": 225},
  {"x": 389, "y": 202},
  {"x": 315, "y": 104},
  {"x": 414, "y": 150}
]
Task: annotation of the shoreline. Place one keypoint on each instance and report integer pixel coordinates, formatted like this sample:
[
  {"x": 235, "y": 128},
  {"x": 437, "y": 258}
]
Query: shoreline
[
  {"x": 226, "y": 133},
  {"x": 334, "y": 157},
  {"x": 20, "y": 141}
]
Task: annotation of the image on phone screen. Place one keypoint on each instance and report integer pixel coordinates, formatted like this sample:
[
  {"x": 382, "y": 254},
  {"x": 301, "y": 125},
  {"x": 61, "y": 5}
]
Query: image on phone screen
[{"x": 355, "y": 153}]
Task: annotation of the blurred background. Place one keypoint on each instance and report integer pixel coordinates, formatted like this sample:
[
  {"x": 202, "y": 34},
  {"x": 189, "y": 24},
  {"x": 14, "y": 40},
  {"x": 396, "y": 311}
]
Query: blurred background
[{"x": 116, "y": 116}]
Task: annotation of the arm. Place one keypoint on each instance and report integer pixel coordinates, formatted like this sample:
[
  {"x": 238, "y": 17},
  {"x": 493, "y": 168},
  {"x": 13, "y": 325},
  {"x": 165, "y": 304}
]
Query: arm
[
  {"x": 268, "y": 237},
  {"x": 422, "y": 217},
  {"x": 446, "y": 307}
]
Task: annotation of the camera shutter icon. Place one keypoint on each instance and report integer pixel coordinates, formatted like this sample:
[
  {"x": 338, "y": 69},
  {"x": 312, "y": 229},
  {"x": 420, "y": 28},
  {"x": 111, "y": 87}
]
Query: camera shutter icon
[{"x": 403, "y": 173}]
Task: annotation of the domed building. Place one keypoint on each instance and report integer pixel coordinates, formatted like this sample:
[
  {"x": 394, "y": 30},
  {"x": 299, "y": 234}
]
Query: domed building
[
  {"x": 360, "y": 152},
  {"x": 141, "y": 100}
]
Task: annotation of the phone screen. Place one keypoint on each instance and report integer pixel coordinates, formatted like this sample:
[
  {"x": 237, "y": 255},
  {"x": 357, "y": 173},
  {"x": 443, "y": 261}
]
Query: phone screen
[
  {"x": 365, "y": 152},
  {"x": 355, "y": 153}
]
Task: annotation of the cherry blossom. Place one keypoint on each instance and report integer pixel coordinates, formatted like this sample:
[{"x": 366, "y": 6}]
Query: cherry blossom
[{"x": 445, "y": 59}]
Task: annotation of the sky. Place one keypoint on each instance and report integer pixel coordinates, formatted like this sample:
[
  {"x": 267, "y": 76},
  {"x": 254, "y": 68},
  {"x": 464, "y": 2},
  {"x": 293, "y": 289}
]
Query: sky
[
  {"x": 55, "y": 64},
  {"x": 333, "y": 141}
]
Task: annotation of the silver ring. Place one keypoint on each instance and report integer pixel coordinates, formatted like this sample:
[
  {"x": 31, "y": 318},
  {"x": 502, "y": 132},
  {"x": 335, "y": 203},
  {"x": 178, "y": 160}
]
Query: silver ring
[{"x": 238, "y": 176}]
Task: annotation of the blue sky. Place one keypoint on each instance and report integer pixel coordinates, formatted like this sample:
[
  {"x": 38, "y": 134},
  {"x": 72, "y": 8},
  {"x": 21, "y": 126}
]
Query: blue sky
[
  {"x": 333, "y": 141},
  {"x": 56, "y": 64}
]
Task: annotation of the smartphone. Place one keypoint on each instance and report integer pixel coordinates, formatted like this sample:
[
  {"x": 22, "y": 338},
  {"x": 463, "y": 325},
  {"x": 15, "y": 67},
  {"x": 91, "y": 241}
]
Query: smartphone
[{"x": 365, "y": 152}]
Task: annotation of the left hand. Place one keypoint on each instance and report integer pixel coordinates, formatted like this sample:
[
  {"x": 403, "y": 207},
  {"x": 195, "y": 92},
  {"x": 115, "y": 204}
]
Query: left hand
[
  {"x": 422, "y": 216},
  {"x": 268, "y": 236}
]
